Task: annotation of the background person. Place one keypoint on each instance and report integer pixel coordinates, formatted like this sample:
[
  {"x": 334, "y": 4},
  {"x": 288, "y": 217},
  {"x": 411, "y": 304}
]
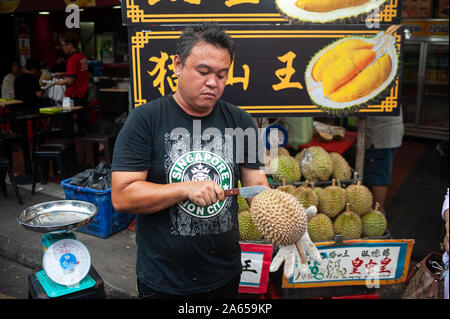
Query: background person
[
  {"x": 182, "y": 253},
  {"x": 8, "y": 81},
  {"x": 76, "y": 78},
  {"x": 384, "y": 134}
]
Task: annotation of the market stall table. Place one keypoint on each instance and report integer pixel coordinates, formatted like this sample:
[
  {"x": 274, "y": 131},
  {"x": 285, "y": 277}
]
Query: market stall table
[
  {"x": 21, "y": 119},
  {"x": 338, "y": 146}
]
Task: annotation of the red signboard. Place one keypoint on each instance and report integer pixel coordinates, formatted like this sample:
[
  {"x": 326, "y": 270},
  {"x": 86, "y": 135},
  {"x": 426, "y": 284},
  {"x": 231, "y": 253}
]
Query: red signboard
[{"x": 256, "y": 259}]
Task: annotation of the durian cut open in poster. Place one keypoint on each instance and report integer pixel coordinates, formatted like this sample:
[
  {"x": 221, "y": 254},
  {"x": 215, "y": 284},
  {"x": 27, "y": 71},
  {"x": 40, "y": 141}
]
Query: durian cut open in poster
[
  {"x": 275, "y": 69},
  {"x": 262, "y": 11}
]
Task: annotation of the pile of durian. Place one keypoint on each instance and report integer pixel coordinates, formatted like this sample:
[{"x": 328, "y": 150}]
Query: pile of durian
[
  {"x": 313, "y": 164},
  {"x": 348, "y": 212}
]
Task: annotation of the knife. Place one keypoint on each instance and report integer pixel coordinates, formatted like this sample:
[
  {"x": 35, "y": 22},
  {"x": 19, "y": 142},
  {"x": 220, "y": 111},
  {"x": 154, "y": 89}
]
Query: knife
[{"x": 246, "y": 192}]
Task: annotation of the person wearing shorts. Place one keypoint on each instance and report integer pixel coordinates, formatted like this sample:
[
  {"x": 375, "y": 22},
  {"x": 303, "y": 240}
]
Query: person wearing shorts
[{"x": 384, "y": 134}]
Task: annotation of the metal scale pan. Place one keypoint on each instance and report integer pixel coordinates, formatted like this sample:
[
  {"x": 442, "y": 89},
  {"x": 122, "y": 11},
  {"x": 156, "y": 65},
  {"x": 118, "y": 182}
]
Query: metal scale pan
[
  {"x": 57, "y": 216},
  {"x": 66, "y": 261}
]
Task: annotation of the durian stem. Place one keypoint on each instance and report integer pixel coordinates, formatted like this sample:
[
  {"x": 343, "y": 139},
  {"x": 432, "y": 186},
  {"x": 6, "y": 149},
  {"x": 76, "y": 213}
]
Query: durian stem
[
  {"x": 377, "y": 206},
  {"x": 301, "y": 253}
]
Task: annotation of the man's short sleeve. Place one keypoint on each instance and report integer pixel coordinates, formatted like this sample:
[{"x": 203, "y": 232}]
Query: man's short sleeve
[
  {"x": 252, "y": 143},
  {"x": 133, "y": 147},
  {"x": 72, "y": 66}
]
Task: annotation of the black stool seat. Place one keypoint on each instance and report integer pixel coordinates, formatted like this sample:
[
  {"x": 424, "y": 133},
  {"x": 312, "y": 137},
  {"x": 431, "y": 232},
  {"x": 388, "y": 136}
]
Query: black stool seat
[
  {"x": 6, "y": 166},
  {"x": 108, "y": 142},
  {"x": 56, "y": 152}
]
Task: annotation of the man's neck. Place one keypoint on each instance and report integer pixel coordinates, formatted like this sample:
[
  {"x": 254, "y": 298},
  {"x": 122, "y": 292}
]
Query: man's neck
[{"x": 189, "y": 110}]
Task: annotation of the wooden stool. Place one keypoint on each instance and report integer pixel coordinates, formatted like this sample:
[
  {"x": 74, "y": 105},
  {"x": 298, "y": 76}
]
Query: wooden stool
[
  {"x": 46, "y": 152},
  {"x": 6, "y": 167}
]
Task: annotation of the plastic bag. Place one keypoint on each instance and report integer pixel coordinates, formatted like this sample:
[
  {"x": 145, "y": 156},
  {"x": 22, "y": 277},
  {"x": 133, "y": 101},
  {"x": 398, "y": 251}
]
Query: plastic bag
[{"x": 98, "y": 178}]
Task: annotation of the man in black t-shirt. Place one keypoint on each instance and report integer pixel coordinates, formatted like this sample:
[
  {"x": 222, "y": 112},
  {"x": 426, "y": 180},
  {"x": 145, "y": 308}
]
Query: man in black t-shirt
[{"x": 172, "y": 160}]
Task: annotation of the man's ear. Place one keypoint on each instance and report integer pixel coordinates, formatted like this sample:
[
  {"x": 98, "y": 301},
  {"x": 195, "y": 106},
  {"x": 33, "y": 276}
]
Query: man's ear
[{"x": 178, "y": 65}]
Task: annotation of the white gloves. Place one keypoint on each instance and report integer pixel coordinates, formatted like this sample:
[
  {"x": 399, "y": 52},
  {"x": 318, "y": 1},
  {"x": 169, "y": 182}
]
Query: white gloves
[
  {"x": 290, "y": 254},
  {"x": 48, "y": 84}
]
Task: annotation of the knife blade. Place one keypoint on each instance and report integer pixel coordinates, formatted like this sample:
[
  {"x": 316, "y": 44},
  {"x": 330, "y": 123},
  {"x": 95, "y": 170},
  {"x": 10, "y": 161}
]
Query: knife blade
[{"x": 246, "y": 192}]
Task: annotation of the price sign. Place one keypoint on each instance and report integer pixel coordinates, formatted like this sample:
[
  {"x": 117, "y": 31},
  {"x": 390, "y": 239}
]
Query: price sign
[
  {"x": 256, "y": 259},
  {"x": 356, "y": 262}
]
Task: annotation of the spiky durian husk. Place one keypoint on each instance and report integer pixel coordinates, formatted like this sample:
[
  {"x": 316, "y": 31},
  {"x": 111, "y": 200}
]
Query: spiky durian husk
[
  {"x": 332, "y": 200},
  {"x": 348, "y": 224},
  {"x": 341, "y": 168},
  {"x": 285, "y": 168},
  {"x": 320, "y": 228},
  {"x": 359, "y": 198},
  {"x": 316, "y": 164},
  {"x": 374, "y": 223},
  {"x": 279, "y": 217},
  {"x": 306, "y": 196},
  {"x": 247, "y": 230}
]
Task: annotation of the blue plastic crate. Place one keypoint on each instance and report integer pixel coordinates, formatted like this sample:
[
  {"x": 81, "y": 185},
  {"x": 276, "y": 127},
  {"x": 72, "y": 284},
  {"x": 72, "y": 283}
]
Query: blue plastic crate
[{"x": 107, "y": 221}]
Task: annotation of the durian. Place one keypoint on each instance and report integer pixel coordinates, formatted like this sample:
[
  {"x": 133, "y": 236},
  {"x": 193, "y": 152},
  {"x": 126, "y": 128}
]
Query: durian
[
  {"x": 316, "y": 164},
  {"x": 359, "y": 198},
  {"x": 320, "y": 228},
  {"x": 374, "y": 223},
  {"x": 247, "y": 230},
  {"x": 242, "y": 204},
  {"x": 348, "y": 224},
  {"x": 341, "y": 168},
  {"x": 279, "y": 217},
  {"x": 332, "y": 200},
  {"x": 306, "y": 196},
  {"x": 328, "y": 11},
  {"x": 286, "y": 188},
  {"x": 285, "y": 168},
  {"x": 352, "y": 73}
]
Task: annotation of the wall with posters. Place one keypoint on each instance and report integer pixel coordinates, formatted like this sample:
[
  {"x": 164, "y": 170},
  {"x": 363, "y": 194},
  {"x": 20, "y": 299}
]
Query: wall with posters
[{"x": 274, "y": 71}]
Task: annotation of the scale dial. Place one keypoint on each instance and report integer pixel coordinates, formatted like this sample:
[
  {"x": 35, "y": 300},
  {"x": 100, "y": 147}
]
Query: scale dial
[{"x": 67, "y": 262}]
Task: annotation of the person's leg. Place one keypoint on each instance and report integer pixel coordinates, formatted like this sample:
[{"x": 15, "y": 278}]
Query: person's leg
[{"x": 377, "y": 173}]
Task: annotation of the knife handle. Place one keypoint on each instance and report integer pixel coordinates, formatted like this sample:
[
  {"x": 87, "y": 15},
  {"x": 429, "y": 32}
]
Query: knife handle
[{"x": 230, "y": 192}]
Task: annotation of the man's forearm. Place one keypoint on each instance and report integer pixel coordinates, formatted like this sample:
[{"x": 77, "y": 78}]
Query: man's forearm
[{"x": 143, "y": 197}]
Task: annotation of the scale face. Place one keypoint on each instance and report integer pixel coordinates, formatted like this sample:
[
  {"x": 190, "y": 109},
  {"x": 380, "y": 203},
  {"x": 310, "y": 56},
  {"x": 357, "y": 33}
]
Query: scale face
[{"x": 67, "y": 262}]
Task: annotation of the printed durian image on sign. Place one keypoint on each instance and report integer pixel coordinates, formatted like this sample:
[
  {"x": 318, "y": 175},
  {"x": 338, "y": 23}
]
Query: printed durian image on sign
[
  {"x": 329, "y": 11},
  {"x": 352, "y": 73}
]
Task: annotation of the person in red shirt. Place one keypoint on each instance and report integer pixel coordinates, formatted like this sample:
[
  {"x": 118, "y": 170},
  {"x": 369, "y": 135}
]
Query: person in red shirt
[{"x": 76, "y": 78}]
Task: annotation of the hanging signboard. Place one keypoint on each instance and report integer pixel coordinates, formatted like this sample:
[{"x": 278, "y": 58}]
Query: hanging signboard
[
  {"x": 356, "y": 262},
  {"x": 256, "y": 259},
  {"x": 276, "y": 69},
  {"x": 369, "y": 12}
]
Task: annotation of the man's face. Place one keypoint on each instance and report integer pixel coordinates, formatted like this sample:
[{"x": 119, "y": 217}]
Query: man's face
[{"x": 202, "y": 78}]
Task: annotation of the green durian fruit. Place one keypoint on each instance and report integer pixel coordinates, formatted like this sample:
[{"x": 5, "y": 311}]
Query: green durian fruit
[
  {"x": 359, "y": 198},
  {"x": 285, "y": 168},
  {"x": 316, "y": 164},
  {"x": 348, "y": 224},
  {"x": 306, "y": 196},
  {"x": 247, "y": 230},
  {"x": 374, "y": 223},
  {"x": 341, "y": 169},
  {"x": 332, "y": 200},
  {"x": 320, "y": 228}
]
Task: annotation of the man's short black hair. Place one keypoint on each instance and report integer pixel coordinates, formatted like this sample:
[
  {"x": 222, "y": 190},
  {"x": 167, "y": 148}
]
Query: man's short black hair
[{"x": 209, "y": 32}]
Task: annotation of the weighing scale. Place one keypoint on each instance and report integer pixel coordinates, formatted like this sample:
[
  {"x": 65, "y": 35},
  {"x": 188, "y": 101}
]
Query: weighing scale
[{"x": 66, "y": 262}]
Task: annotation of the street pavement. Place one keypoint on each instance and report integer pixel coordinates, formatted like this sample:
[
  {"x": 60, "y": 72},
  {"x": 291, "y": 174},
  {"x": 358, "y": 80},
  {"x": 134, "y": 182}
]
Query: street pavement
[{"x": 13, "y": 279}]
